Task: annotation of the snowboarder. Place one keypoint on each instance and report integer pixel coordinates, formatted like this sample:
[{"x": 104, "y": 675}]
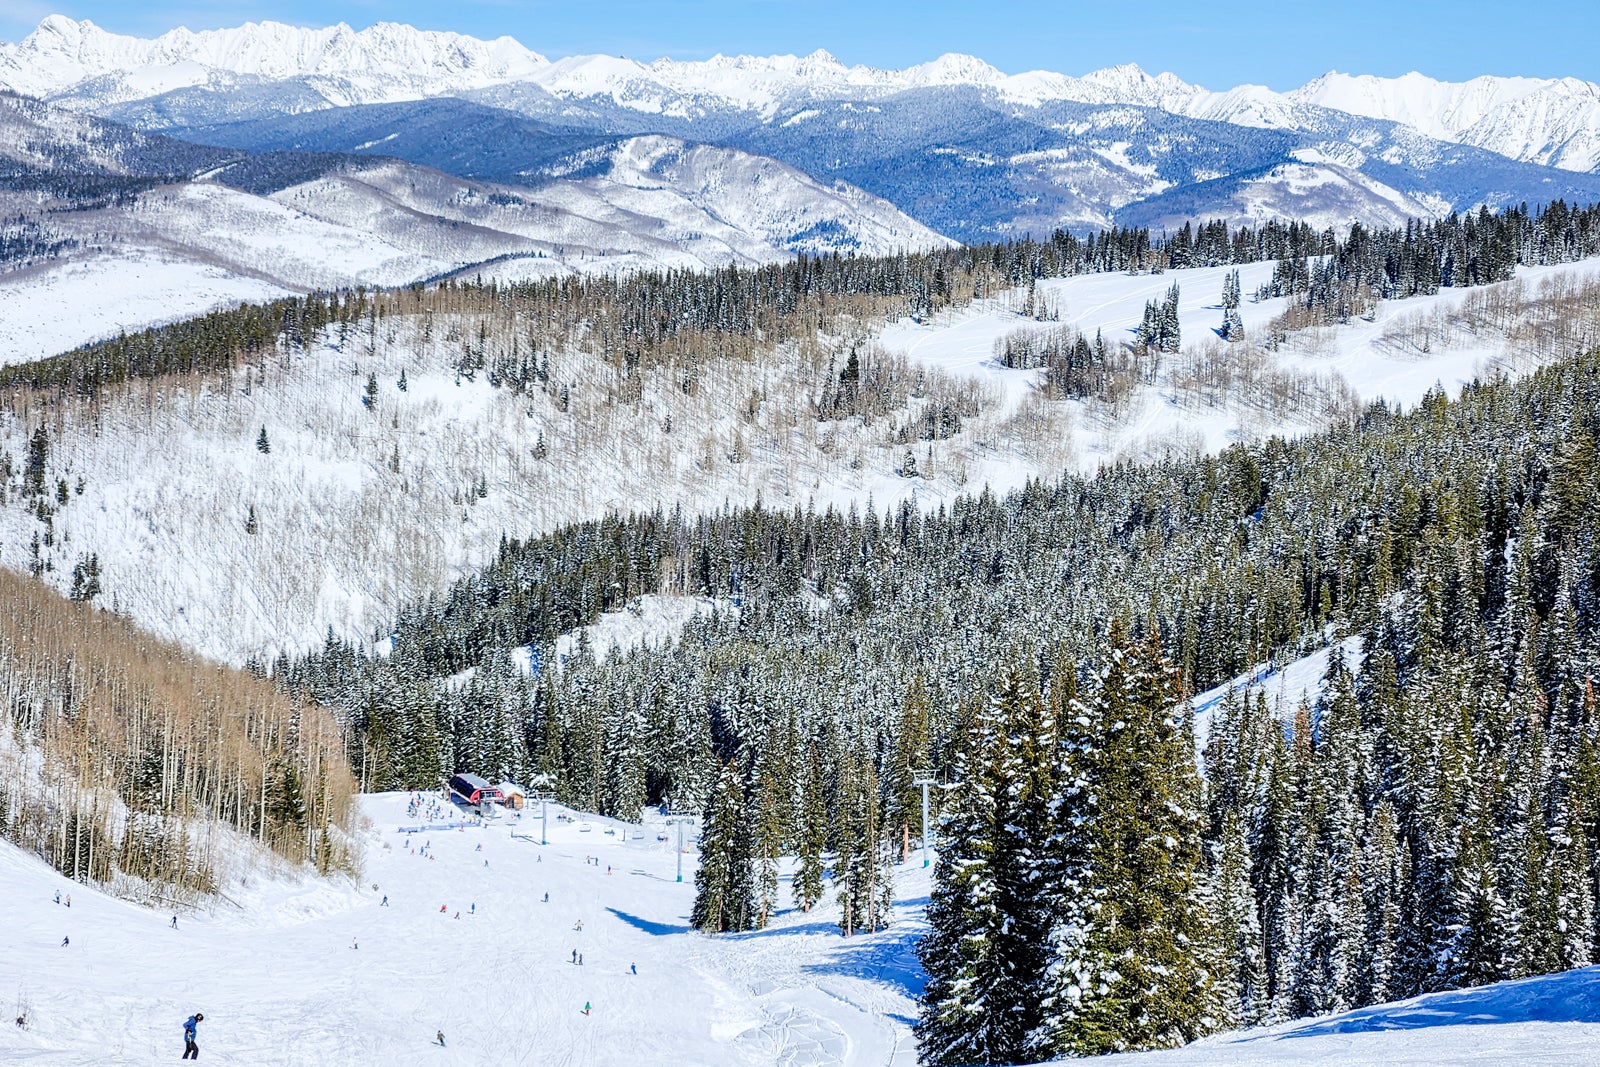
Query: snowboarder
[
  {"x": 191, "y": 1029},
  {"x": 65, "y": 941},
  {"x": 578, "y": 926},
  {"x": 443, "y": 908},
  {"x": 441, "y": 1038}
]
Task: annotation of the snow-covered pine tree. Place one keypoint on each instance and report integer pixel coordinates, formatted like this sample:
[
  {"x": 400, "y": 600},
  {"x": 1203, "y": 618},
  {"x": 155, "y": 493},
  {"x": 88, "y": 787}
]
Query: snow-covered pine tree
[
  {"x": 983, "y": 959},
  {"x": 812, "y": 837},
  {"x": 908, "y": 754},
  {"x": 1242, "y": 985},
  {"x": 767, "y": 832},
  {"x": 1143, "y": 976},
  {"x": 859, "y": 870},
  {"x": 724, "y": 894},
  {"x": 1232, "y": 328}
]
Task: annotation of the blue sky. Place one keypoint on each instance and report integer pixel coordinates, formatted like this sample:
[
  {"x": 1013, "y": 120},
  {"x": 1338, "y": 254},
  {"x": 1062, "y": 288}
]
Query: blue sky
[{"x": 1217, "y": 43}]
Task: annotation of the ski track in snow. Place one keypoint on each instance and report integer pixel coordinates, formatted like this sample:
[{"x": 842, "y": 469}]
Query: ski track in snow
[{"x": 279, "y": 982}]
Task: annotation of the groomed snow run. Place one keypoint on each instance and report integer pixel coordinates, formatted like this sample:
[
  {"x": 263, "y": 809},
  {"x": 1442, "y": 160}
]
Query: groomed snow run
[
  {"x": 320, "y": 972},
  {"x": 1550, "y": 1020}
]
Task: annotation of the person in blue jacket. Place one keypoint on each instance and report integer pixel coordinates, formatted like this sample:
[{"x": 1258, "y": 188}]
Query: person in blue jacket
[{"x": 191, "y": 1027}]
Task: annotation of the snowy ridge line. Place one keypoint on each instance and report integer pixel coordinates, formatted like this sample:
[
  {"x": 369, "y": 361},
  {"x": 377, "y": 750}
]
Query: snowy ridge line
[{"x": 1549, "y": 121}]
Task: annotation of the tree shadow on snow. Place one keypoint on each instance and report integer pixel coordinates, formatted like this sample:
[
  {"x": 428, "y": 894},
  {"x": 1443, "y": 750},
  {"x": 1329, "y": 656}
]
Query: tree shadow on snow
[
  {"x": 888, "y": 956},
  {"x": 649, "y": 926},
  {"x": 1569, "y": 998}
]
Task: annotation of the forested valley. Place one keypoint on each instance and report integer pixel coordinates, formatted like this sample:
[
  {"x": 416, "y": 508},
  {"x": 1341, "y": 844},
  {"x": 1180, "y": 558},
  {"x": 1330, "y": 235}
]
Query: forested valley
[{"x": 1105, "y": 881}]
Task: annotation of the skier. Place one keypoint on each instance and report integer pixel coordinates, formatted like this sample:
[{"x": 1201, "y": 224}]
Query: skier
[
  {"x": 586, "y": 1007},
  {"x": 69, "y": 900},
  {"x": 474, "y": 910},
  {"x": 547, "y": 898},
  {"x": 574, "y": 957},
  {"x": 441, "y": 1038},
  {"x": 174, "y": 922},
  {"x": 353, "y": 943},
  {"x": 65, "y": 941},
  {"x": 580, "y": 959},
  {"x": 633, "y": 968},
  {"x": 191, "y": 1028},
  {"x": 58, "y": 896},
  {"x": 443, "y": 908},
  {"x": 385, "y": 903},
  {"x": 578, "y": 926}
]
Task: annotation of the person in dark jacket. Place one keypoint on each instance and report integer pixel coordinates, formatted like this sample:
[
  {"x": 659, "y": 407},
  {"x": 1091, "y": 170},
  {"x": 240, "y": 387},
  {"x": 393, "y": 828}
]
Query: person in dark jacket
[{"x": 191, "y": 1028}]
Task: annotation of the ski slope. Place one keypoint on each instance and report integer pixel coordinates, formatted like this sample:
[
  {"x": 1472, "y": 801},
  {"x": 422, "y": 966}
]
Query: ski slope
[
  {"x": 1550, "y": 1020},
  {"x": 319, "y": 972},
  {"x": 1286, "y": 687}
]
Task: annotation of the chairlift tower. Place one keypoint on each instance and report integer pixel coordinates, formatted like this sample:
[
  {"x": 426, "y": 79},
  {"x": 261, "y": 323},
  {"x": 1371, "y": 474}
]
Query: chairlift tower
[
  {"x": 924, "y": 779},
  {"x": 678, "y": 821}
]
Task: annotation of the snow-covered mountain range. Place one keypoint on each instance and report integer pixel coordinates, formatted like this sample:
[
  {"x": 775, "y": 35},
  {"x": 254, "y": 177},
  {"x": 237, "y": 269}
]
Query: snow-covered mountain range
[
  {"x": 961, "y": 147},
  {"x": 1554, "y": 122}
]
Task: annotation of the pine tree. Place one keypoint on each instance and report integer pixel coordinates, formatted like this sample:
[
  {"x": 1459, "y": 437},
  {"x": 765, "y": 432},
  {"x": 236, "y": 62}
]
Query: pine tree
[
  {"x": 1141, "y": 974},
  {"x": 262, "y": 444},
  {"x": 1242, "y": 987},
  {"x": 813, "y": 837},
  {"x": 1232, "y": 325},
  {"x": 767, "y": 833},
  {"x": 986, "y": 949},
  {"x": 908, "y": 756},
  {"x": 724, "y": 894}
]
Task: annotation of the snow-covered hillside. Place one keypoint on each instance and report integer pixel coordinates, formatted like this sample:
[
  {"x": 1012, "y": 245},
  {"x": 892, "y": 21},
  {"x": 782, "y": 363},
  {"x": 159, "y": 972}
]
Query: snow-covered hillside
[
  {"x": 1552, "y": 1020},
  {"x": 184, "y": 248},
  {"x": 315, "y": 972},
  {"x": 386, "y": 500}
]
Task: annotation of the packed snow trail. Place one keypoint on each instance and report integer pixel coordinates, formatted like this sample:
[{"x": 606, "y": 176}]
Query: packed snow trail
[
  {"x": 280, "y": 981},
  {"x": 1553, "y": 1019}
]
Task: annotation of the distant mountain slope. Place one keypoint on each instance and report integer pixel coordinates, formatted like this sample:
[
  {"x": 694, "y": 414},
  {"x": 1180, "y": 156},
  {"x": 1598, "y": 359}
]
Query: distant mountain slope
[
  {"x": 1550, "y": 121},
  {"x": 962, "y": 147},
  {"x": 966, "y": 164},
  {"x": 457, "y": 136},
  {"x": 41, "y": 143},
  {"x": 120, "y": 229}
]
